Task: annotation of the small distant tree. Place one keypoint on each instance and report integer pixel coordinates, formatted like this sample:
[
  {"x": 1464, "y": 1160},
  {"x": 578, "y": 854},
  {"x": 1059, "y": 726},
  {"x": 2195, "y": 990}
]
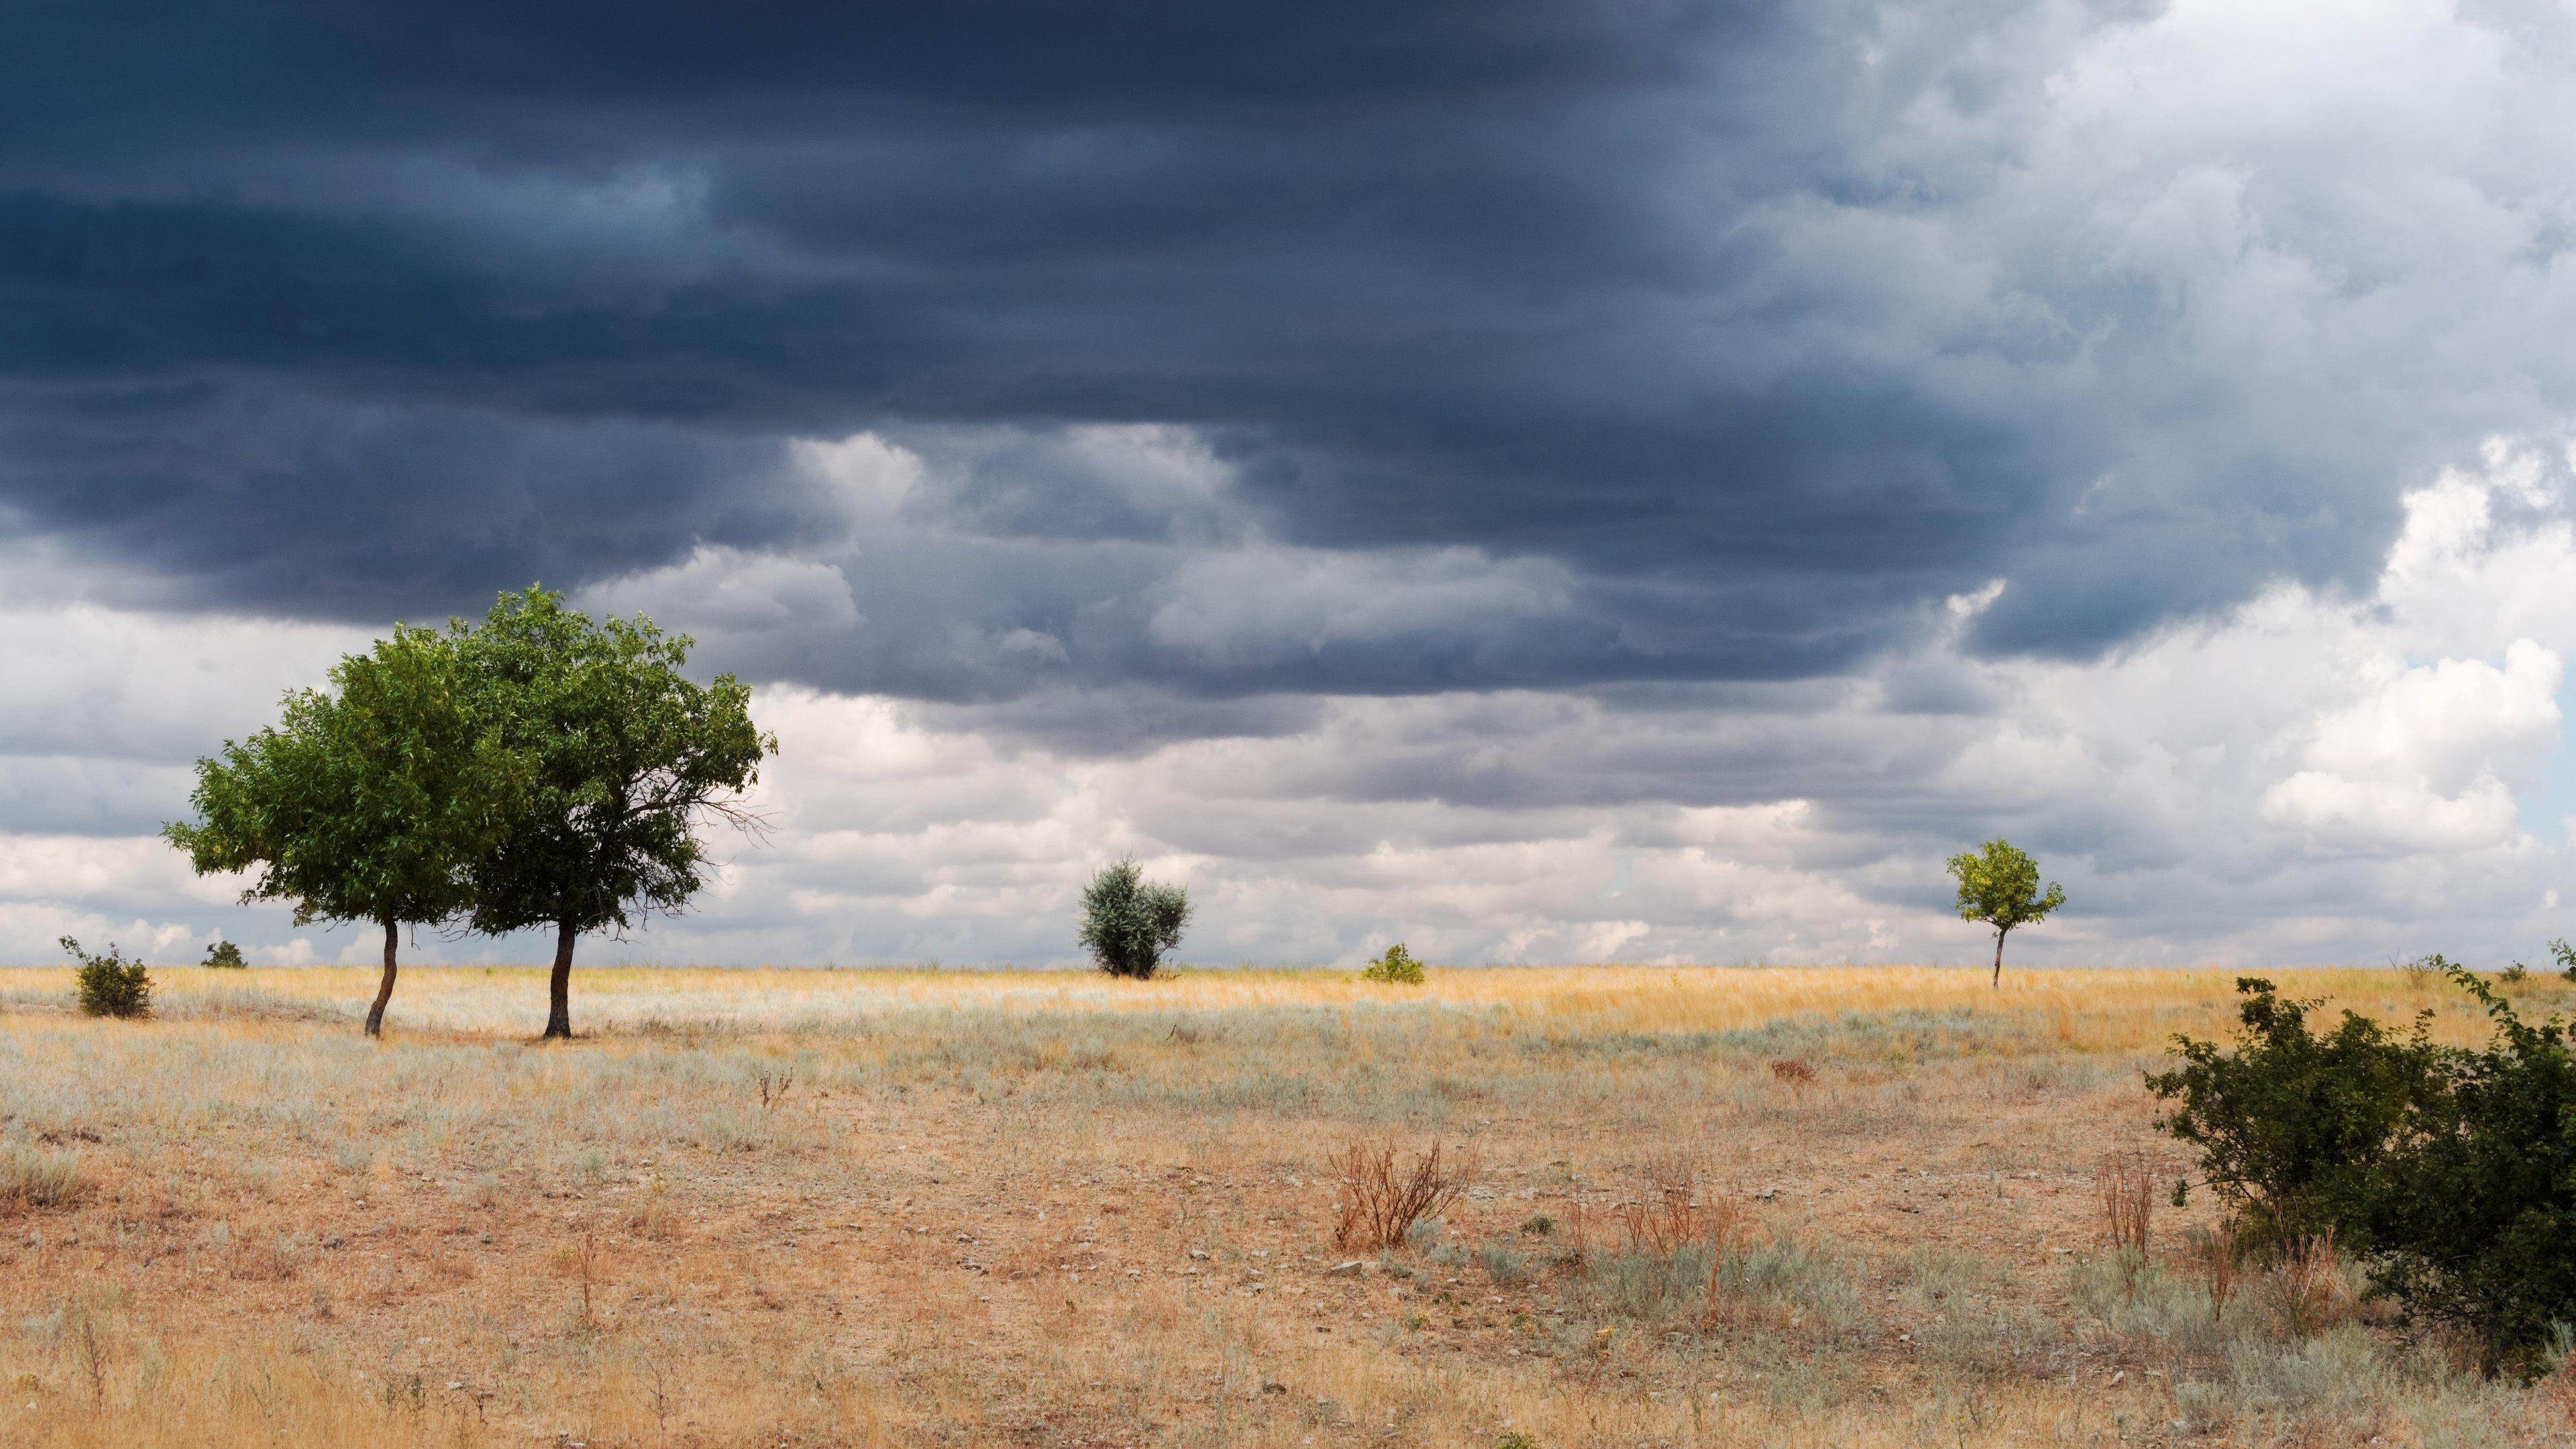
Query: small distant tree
[
  {"x": 627, "y": 756},
  {"x": 367, "y": 804},
  {"x": 110, "y": 985},
  {"x": 1128, "y": 922},
  {"x": 226, "y": 955},
  {"x": 1396, "y": 965},
  {"x": 2000, "y": 886}
]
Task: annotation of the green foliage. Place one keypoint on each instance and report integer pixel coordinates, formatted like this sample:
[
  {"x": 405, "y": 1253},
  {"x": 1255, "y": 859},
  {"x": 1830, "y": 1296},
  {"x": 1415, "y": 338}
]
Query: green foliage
[
  {"x": 110, "y": 985},
  {"x": 368, "y": 804},
  {"x": 624, "y": 756},
  {"x": 2566, "y": 955},
  {"x": 2475, "y": 1215},
  {"x": 2291, "y": 1124},
  {"x": 226, "y": 955},
  {"x": 1397, "y": 965},
  {"x": 364, "y": 805},
  {"x": 2453, "y": 1171},
  {"x": 2000, "y": 886},
  {"x": 1128, "y": 922}
]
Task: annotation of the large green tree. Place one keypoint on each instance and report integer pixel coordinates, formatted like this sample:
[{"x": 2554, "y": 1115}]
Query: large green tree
[
  {"x": 2000, "y": 886},
  {"x": 628, "y": 758},
  {"x": 371, "y": 803}
]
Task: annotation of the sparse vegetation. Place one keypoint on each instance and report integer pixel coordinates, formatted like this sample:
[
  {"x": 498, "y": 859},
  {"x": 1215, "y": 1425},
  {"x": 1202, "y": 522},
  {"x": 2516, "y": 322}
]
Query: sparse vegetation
[
  {"x": 110, "y": 985},
  {"x": 1015, "y": 1206}
]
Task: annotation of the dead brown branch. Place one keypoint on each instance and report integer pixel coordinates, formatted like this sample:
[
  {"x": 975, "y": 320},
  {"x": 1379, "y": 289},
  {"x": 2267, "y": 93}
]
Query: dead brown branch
[{"x": 1380, "y": 1204}]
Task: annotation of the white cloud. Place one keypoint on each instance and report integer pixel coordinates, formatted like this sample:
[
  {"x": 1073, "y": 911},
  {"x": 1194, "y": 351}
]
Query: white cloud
[
  {"x": 719, "y": 590},
  {"x": 1262, "y": 605}
]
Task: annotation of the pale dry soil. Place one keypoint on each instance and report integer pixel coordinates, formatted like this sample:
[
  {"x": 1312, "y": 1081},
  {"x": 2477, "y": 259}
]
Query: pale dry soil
[{"x": 840, "y": 1208}]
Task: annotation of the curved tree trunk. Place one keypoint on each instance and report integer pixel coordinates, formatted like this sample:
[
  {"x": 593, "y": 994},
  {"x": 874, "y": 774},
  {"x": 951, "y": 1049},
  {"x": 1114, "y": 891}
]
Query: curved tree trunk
[
  {"x": 384, "y": 988},
  {"x": 1998, "y": 982},
  {"x": 559, "y": 989}
]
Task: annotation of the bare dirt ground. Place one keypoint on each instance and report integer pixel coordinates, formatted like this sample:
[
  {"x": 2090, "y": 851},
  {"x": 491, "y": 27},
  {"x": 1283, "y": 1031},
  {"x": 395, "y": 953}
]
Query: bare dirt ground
[{"x": 1708, "y": 1207}]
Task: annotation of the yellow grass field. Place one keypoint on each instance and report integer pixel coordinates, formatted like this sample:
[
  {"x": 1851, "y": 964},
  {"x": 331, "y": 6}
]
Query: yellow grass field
[{"x": 1853, "y": 1206}]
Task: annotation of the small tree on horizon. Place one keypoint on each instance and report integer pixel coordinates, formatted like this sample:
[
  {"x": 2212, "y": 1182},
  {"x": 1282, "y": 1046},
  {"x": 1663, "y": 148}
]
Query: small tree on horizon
[
  {"x": 1128, "y": 922},
  {"x": 2000, "y": 886}
]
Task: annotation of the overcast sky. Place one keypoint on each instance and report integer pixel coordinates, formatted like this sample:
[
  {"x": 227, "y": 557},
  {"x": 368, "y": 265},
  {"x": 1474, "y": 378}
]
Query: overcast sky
[{"x": 1630, "y": 480}]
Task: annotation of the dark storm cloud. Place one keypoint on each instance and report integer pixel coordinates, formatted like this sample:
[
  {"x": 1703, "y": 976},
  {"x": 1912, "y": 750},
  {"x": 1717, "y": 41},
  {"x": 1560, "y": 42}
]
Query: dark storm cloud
[{"x": 348, "y": 312}]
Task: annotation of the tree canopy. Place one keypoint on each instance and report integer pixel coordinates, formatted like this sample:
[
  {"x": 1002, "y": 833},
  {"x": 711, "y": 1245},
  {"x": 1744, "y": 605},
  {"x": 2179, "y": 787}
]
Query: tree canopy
[
  {"x": 2000, "y": 885},
  {"x": 625, "y": 757},
  {"x": 1128, "y": 922},
  {"x": 371, "y": 804}
]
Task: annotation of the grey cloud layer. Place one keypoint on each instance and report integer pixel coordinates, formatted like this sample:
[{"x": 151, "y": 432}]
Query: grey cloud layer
[{"x": 1749, "y": 331}]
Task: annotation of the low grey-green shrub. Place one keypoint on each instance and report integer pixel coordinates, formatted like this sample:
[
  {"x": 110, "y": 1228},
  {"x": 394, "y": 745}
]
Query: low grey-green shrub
[{"x": 32, "y": 1179}]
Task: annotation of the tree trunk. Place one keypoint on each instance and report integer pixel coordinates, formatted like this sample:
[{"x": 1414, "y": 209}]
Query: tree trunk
[
  {"x": 384, "y": 988},
  {"x": 559, "y": 1014},
  {"x": 1998, "y": 982}
]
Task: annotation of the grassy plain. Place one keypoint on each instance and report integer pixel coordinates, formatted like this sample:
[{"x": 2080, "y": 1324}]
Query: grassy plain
[{"x": 1063, "y": 1212}]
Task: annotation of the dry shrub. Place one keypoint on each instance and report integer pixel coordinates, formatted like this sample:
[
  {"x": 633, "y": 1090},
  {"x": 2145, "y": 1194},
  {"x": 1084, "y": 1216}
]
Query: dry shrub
[
  {"x": 2309, "y": 1288},
  {"x": 2215, "y": 1253},
  {"x": 1664, "y": 1214},
  {"x": 654, "y": 1220},
  {"x": 2127, "y": 1188},
  {"x": 1380, "y": 1204}
]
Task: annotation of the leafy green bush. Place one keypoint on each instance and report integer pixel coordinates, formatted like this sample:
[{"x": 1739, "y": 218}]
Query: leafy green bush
[
  {"x": 1128, "y": 922},
  {"x": 1397, "y": 965},
  {"x": 110, "y": 985},
  {"x": 2451, "y": 1172},
  {"x": 2475, "y": 1217},
  {"x": 225, "y": 954},
  {"x": 2290, "y": 1125}
]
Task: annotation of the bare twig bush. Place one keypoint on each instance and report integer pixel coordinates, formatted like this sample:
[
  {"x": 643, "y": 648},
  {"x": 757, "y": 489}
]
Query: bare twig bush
[
  {"x": 2127, "y": 1188},
  {"x": 1380, "y": 1204},
  {"x": 1665, "y": 1213}
]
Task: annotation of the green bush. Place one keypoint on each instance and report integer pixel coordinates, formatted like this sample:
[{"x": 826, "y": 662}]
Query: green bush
[
  {"x": 226, "y": 955},
  {"x": 2290, "y": 1125},
  {"x": 2451, "y": 1172},
  {"x": 1128, "y": 922},
  {"x": 110, "y": 985},
  {"x": 1397, "y": 965},
  {"x": 2475, "y": 1217}
]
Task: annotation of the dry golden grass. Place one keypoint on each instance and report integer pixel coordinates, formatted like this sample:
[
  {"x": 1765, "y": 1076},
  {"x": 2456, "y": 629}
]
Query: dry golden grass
[{"x": 809, "y": 1207}]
